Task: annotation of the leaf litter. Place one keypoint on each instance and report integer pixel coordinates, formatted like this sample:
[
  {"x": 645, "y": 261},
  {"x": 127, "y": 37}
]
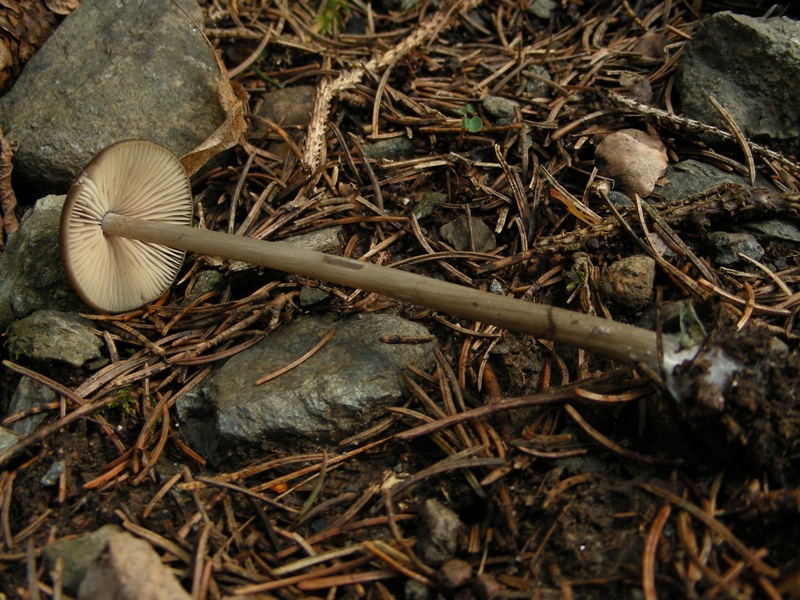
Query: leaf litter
[{"x": 571, "y": 477}]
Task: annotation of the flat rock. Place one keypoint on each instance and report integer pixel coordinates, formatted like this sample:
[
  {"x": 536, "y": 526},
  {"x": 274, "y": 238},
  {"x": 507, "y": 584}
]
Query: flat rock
[
  {"x": 8, "y": 438},
  {"x": 690, "y": 177},
  {"x": 111, "y": 71},
  {"x": 726, "y": 247},
  {"x": 747, "y": 65},
  {"x": 289, "y": 108},
  {"x": 331, "y": 395},
  {"x": 469, "y": 233},
  {"x": 31, "y": 273},
  {"x": 52, "y": 335},
  {"x": 499, "y": 107}
]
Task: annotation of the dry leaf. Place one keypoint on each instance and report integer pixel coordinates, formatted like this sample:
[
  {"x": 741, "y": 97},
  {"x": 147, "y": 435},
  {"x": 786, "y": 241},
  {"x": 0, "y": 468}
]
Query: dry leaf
[
  {"x": 62, "y": 7},
  {"x": 8, "y": 201},
  {"x": 233, "y": 100},
  {"x": 650, "y": 45},
  {"x": 24, "y": 27},
  {"x": 633, "y": 159}
]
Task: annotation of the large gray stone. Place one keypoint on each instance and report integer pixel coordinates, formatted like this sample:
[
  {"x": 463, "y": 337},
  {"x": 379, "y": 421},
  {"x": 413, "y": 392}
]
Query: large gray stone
[
  {"x": 111, "y": 71},
  {"x": 52, "y": 335},
  {"x": 333, "y": 394},
  {"x": 747, "y": 64},
  {"x": 31, "y": 273}
]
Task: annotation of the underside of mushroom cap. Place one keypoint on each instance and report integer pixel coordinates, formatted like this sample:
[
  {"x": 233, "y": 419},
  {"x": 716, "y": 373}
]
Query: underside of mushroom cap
[{"x": 133, "y": 178}]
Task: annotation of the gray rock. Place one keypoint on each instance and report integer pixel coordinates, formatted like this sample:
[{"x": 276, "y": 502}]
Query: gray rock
[
  {"x": 629, "y": 281},
  {"x": 111, "y": 71},
  {"x": 333, "y": 394},
  {"x": 438, "y": 540},
  {"x": 29, "y": 394},
  {"x": 207, "y": 281},
  {"x": 77, "y": 554},
  {"x": 499, "y": 107},
  {"x": 469, "y": 233},
  {"x": 310, "y": 295},
  {"x": 31, "y": 273},
  {"x": 328, "y": 240},
  {"x": 727, "y": 247},
  {"x": 290, "y": 108},
  {"x": 8, "y": 438},
  {"x": 781, "y": 229},
  {"x": 416, "y": 590},
  {"x": 542, "y": 8},
  {"x": 690, "y": 177},
  {"x": 745, "y": 64},
  {"x": 536, "y": 81},
  {"x": 428, "y": 202},
  {"x": 53, "y": 473},
  {"x": 619, "y": 199},
  {"x": 397, "y": 148},
  {"x": 54, "y": 335}
]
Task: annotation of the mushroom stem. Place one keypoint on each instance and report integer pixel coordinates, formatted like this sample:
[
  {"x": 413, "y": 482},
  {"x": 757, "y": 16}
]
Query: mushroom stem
[{"x": 624, "y": 343}]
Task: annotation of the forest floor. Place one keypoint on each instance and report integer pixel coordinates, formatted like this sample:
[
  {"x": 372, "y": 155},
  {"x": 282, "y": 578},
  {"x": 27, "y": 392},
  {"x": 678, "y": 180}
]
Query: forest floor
[{"x": 572, "y": 477}]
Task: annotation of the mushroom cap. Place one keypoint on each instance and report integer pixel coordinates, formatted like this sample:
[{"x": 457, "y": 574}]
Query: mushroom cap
[{"x": 132, "y": 178}]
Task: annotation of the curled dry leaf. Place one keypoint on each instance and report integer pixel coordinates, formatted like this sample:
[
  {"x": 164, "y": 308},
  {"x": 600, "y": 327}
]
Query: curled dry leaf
[
  {"x": 62, "y": 7},
  {"x": 8, "y": 201},
  {"x": 233, "y": 100},
  {"x": 634, "y": 159}
]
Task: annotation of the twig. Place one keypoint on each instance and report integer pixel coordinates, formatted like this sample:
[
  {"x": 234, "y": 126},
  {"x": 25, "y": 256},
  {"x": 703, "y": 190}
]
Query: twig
[{"x": 649, "y": 553}]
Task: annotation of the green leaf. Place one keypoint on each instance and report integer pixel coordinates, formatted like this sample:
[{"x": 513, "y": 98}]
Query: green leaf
[{"x": 472, "y": 124}]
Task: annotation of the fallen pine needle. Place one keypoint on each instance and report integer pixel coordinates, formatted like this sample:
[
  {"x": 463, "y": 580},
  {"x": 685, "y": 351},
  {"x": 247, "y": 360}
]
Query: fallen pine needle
[{"x": 325, "y": 339}]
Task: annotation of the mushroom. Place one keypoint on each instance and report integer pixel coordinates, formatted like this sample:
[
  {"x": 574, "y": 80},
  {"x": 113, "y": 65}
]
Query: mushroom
[
  {"x": 136, "y": 179},
  {"x": 126, "y": 224}
]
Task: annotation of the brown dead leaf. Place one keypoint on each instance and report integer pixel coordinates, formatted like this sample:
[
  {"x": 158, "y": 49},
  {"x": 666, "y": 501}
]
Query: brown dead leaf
[
  {"x": 233, "y": 100},
  {"x": 650, "y": 45},
  {"x": 24, "y": 27},
  {"x": 634, "y": 159},
  {"x": 8, "y": 200},
  {"x": 62, "y": 7}
]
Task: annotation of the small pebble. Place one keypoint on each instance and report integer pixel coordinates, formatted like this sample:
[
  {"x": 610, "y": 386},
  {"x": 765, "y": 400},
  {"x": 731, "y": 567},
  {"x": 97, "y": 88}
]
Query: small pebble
[
  {"x": 501, "y": 108},
  {"x": 439, "y": 536},
  {"x": 629, "y": 282},
  {"x": 727, "y": 247},
  {"x": 454, "y": 574}
]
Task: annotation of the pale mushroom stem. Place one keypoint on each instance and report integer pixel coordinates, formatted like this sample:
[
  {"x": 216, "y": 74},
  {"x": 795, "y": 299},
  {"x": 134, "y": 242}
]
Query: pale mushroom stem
[{"x": 624, "y": 343}]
